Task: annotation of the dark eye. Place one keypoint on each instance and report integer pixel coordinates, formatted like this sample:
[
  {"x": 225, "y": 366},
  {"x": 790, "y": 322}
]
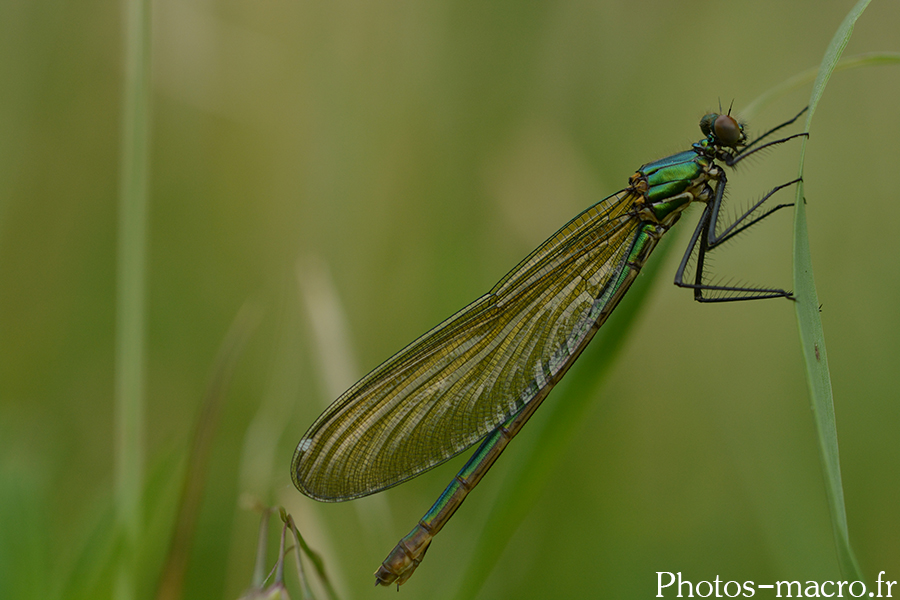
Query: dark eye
[{"x": 728, "y": 131}]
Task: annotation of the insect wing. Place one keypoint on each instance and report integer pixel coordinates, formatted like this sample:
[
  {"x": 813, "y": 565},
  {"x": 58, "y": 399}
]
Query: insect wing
[{"x": 458, "y": 382}]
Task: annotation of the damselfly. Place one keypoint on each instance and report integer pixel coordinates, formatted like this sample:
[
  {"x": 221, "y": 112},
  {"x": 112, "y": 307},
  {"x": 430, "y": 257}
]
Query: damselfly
[{"x": 483, "y": 372}]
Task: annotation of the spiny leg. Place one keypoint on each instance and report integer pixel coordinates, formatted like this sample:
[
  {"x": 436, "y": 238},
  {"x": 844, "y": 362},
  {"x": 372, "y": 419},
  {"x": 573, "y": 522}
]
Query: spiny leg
[
  {"x": 733, "y": 159},
  {"x": 736, "y": 158},
  {"x": 774, "y": 129},
  {"x": 729, "y": 231},
  {"x": 705, "y": 239}
]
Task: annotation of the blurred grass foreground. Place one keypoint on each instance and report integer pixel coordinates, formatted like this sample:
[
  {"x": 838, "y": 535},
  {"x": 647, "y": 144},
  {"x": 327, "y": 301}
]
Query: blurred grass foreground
[{"x": 358, "y": 172}]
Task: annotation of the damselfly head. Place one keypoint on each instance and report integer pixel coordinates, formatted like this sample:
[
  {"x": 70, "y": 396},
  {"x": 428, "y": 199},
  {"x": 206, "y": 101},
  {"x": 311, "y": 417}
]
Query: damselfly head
[{"x": 723, "y": 129}]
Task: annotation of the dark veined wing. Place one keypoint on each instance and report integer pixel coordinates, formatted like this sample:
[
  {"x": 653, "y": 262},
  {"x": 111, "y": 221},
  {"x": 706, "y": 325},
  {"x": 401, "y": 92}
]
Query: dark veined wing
[{"x": 458, "y": 382}]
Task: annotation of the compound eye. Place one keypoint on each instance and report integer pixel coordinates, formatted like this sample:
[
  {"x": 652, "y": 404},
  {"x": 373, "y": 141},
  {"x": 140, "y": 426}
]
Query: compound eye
[{"x": 728, "y": 131}]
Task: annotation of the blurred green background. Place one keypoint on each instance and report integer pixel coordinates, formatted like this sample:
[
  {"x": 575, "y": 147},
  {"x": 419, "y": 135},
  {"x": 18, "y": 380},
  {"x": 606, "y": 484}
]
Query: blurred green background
[{"x": 361, "y": 170}]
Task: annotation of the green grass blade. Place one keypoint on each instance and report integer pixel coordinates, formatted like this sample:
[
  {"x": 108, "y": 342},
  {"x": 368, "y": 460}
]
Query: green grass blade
[
  {"x": 130, "y": 291},
  {"x": 812, "y": 338},
  {"x": 175, "y": 569},
  {"x": 867, "y": 59}
]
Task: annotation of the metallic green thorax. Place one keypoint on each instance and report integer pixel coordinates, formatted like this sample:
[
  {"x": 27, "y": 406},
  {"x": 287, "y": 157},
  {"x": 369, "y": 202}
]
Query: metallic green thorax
[{"x": 667, "y": 186}]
